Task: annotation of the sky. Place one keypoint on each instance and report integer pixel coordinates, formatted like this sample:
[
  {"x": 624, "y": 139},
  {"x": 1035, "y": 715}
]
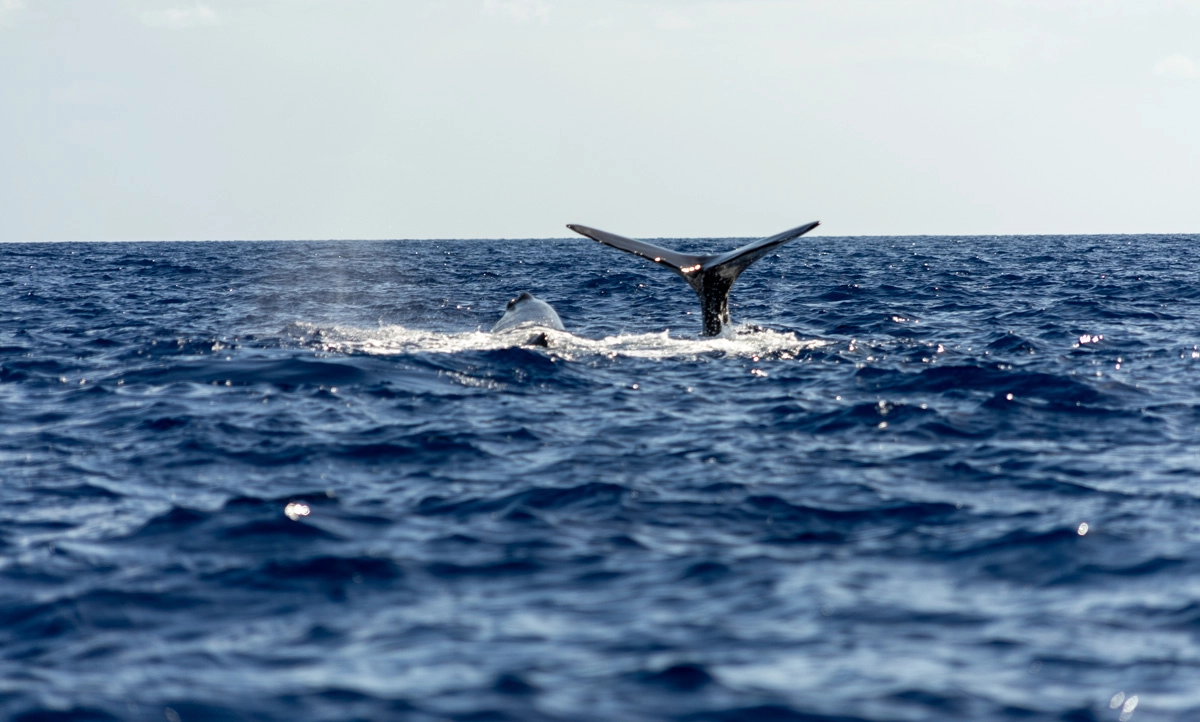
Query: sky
[{"x": 367, "y": 119}]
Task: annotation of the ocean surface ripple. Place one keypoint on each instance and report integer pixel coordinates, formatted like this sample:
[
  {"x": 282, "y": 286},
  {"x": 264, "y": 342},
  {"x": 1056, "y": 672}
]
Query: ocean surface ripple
[{"x": 928, "y": 478}]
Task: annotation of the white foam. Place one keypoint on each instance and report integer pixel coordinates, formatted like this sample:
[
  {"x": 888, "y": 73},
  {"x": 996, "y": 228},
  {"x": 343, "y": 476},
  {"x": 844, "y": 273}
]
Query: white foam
[{"x": 389, "y": 340}]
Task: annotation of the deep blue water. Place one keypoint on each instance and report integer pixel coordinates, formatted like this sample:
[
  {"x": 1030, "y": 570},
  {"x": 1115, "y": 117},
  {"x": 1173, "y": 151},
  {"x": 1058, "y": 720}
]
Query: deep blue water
[{"x": 869, "y": 504}]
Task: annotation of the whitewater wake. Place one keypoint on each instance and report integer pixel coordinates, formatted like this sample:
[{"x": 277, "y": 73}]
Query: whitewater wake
[{"x": 745, "y": 341}]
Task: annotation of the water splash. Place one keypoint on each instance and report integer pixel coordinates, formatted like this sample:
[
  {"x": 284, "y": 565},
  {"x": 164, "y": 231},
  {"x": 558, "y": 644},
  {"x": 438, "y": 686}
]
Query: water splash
[{"x": 746, "y": 341}]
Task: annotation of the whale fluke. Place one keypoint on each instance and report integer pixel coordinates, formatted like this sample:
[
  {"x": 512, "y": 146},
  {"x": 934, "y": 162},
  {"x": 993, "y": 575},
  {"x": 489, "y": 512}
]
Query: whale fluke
[{"x": 710, "y": 275}]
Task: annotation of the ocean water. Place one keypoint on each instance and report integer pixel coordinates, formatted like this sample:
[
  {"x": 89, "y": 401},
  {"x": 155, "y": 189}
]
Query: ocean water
[{"x": 928, "y": 478}]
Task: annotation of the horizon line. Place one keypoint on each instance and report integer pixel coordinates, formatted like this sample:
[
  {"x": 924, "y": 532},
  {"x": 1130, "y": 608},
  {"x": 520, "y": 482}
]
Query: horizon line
[{"x": 570, "y": 238}]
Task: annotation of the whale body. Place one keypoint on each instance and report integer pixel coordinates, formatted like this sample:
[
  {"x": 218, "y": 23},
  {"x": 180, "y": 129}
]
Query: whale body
[
  {"x": 710, "y": 275},
  {"x": 529, "y": 311}
]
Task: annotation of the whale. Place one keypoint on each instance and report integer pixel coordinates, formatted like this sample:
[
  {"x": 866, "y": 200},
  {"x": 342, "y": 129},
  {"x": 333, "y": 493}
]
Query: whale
[
  {"x": 528, "y": 312},
  {"x": 711, "y": 276}
]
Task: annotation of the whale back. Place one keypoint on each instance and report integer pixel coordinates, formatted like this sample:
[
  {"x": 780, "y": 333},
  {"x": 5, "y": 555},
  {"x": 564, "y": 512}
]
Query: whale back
[{"x": 528, "y": 310}]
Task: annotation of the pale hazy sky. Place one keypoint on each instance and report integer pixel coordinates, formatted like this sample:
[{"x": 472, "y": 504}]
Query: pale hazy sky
[{"x": 281, "y": 119}]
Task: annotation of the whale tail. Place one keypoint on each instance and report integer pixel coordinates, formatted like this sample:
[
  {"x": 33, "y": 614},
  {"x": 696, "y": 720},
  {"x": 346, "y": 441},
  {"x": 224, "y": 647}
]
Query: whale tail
[{"x": 711, "y": 276}]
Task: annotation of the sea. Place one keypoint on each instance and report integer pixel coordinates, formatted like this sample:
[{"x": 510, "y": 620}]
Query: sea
[{"x": 922, "y": 479}]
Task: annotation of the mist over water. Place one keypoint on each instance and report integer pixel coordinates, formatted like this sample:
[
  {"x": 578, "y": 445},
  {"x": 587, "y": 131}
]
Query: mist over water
[{"x": 926, "y": 478}]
